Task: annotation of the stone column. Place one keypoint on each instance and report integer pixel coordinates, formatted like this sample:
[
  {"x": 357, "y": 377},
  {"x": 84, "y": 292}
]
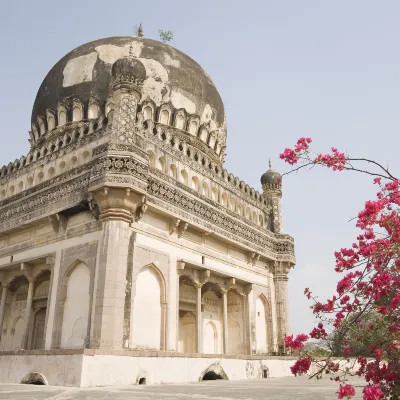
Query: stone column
[
  {"x": 3, "y": 304},
  {"x": 199, "y": 319},
  {"x": 248, "y": 318},
  {"x": 225, "y": 318},
  {"x": 28, "y": 310},
  {"x": 50, "y": 261},
  {"x": 117, "y": 208},
  {"x": 281, "y": 298}
]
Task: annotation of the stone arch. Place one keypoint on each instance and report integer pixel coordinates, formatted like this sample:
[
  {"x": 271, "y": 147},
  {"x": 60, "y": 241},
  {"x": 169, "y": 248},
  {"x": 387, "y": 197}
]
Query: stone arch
[
  {"x": 173, "y": 171},
  {"x": 160, "y": 165},
  {"x": 193, "y": 127},
  {"x": 260, "y": 220},
  {"x": 214, "y": 194},
  {"x": 165, "y": 117},
  {"x": 147, "y": 112},
  {"x": 75, "y": 310},
  {"x": 94, "y": 108},
  {"x": 206, "y": 189},
  {"x": 248, "y": 214},
  {"x": 213, "y": 372},
  {"x": 34, "y": 378},
  {"x": 195, "y": 183},
  {"x": 150, "y": 309},
  {"x": 77, "y": 111},
  {"x": 210, "y": 338},
  {"x": 17, "y": 332},
  {"x": 187, "y": 332},
  {"x": 62, "y": 116},
  {"x": 38, "y": 332},
  {"x": 51, "y": 121},
  {"x": 224, "y": 199},
  {"x": 180, "y": 121},
  {"x": 264, "y": 339},
  {"x": 184, "y": 177}
]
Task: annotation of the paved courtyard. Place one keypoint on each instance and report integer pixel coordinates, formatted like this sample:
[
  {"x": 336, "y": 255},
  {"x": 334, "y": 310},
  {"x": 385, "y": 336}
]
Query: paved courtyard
[{"x": 266, "y": 389}]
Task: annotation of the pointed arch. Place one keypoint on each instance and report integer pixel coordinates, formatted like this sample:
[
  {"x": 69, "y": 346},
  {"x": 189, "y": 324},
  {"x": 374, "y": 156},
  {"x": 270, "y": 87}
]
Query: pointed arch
[
  {"x": 75, "y": 306},
  {"x": 210, "y": 338},
  {"x": 149, "y": 309},
  {"x": 264, "y": 328}
]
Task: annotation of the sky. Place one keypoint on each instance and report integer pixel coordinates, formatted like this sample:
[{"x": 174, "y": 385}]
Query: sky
[{"x": 284, "y": 69}]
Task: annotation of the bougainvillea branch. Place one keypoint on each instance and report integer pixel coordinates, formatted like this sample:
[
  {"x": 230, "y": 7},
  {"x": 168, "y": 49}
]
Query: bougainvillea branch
[{"x": 369, "y": 285}]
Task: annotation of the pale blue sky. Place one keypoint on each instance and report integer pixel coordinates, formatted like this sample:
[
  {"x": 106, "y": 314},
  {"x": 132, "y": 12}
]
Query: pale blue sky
[{"x": 284, "y": 69}]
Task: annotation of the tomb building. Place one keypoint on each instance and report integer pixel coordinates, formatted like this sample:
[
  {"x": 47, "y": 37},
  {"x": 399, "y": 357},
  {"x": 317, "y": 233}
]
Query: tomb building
[{"x": 128, "y": 253}]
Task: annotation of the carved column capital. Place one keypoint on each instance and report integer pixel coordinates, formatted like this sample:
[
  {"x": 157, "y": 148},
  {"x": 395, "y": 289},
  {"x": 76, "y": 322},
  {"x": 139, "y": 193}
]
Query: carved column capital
[{"x": 118, "y": 204}]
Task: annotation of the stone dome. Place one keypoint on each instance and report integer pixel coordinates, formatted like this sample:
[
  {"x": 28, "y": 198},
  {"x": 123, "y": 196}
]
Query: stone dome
[
  {"x": 169, "y": 76},
  {"x": 271, "y": 179}
]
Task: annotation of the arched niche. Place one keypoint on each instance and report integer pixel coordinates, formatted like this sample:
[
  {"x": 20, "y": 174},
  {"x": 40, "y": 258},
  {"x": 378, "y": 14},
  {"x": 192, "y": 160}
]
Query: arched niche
[
  {"x": 206, "y": 189},
  {"x": 17, "y": 333},
  {"x": 149, "y": 309},
  {"x": 160, "y": 164},
  {"x": 210, "y": 338},
  {"x": 77, "y": 111},
  {"x": 51, "y": 120},
  {"x": 75, "y": 301},
  {"x": 184, "y": 178},
  {"x": 195, "y": 183},
  {"x": 187, "y": 331},
  {"x": 94, "y": 108},
  {"x": 147, "y": 112},
  {"x": 263, "y": 325},
  {"x": 173, "y": 171}
]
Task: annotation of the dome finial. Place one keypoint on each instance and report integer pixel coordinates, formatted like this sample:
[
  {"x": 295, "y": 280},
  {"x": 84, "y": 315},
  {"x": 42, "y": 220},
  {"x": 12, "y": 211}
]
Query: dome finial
[
  {"x": 140, "y": 31},
  {"x": 270, "y": 165}
]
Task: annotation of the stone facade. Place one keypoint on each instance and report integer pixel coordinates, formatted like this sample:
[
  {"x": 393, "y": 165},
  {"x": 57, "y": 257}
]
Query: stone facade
[{"x": 122, "y": 231}]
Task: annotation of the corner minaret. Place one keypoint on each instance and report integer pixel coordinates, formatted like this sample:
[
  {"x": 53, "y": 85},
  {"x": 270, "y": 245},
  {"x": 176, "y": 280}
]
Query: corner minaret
[{"x": 271, "y": 183}]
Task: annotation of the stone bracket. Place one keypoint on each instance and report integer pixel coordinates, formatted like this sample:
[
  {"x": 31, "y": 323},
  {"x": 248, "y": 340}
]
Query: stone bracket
[
  {"x": 141, "y": 210},
  {"x": 253, "y": 258},
  {"x": 58, "y": 222}
]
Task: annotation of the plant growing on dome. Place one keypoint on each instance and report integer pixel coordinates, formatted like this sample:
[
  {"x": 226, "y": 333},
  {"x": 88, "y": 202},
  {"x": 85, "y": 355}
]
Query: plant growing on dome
[
  {"x": 366, "y": 305},
  {"x": 165, "y": 36}
]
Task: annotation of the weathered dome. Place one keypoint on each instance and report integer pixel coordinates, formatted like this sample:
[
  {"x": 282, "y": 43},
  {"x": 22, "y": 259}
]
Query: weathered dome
[
  {"x": 271, "y": 178},
  {"x": 169, "y": 76},
  {"x": 129, "y": 66}
]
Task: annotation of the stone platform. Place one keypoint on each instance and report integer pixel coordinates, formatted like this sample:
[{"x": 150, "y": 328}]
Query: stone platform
[
  {"x": 90, "y": 368},
  {"x": 272, "y": 389}
]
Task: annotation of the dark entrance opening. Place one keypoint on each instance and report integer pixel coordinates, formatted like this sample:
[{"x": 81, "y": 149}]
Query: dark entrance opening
[
  {"x": 211, "y": 376},
  {"x": 265, "y": 373},
  {"x": 142, "y": 381},
  {"x": 34, "y": 378}
]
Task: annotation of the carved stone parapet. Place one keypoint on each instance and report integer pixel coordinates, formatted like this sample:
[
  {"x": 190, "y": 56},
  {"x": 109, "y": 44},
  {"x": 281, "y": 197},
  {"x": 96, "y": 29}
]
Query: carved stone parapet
[{"x": 117, "y": 203}]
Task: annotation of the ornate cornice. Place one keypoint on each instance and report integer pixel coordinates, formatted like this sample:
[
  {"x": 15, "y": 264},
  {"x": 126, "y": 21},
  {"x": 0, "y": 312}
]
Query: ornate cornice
[{"x": 173, "y": 199}]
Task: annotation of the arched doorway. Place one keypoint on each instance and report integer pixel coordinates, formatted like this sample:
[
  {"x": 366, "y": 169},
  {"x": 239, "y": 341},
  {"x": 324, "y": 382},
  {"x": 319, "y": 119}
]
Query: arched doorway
[
  {"x": 187, "y": 332},
  {"x": 18, "y": 333},
  {"x": 235, "y": 338},
  {"x": 261, "y": 326},
  {"x": 148, "y": 310},
  {"x": 76, "y": 307},
  {"x": 210, "y": 338},
  {"x": 38, "y": 329}
]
